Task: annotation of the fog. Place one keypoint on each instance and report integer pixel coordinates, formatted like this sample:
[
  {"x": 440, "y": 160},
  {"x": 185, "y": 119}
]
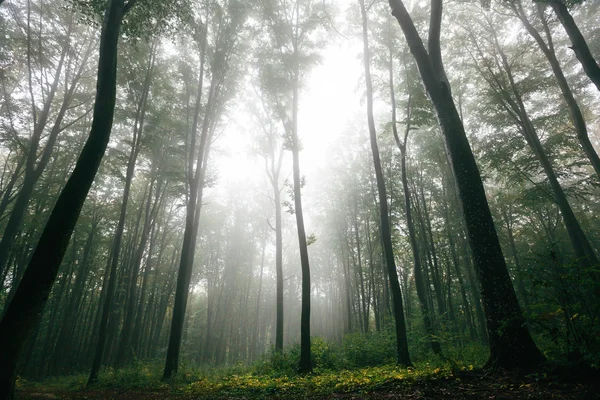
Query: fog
[{"x": 296, "y": 187}]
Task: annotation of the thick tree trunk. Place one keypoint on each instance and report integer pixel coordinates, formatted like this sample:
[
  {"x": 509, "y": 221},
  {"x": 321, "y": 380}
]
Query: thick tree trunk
[
  {"x": 24, "y": 312},
  {"x": 403, "y": 357},
  {"x": 511, "y": 345}
]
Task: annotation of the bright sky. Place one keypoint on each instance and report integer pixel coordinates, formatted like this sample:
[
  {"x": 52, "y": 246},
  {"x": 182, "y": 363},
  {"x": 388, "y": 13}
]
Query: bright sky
[{"x": 330, "y": 98}]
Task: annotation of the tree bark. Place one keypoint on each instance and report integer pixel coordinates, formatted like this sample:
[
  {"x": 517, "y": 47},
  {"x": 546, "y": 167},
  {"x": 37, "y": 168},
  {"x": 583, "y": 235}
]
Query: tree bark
[
  {"x": 511, "y": 345},
  {"x": 24, "y": 312}
]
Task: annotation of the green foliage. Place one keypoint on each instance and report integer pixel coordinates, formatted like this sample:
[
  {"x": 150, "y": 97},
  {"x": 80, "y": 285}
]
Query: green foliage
[
  {"x": 225, "y": 383},
  {"x": 375, "y": 348},
  {"x": 146, "y": 19},
  {"x": 326, "y": 355}
]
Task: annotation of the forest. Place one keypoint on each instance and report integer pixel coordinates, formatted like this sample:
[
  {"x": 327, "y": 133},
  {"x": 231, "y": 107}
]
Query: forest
[{"x": 281, "y": 199}]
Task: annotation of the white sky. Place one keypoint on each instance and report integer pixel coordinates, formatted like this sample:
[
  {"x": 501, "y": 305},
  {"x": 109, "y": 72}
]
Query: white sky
[{"x": 331, "y": 97}]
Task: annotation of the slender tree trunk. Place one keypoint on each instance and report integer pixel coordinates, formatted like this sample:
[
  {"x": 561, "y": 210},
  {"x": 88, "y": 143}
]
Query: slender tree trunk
[
  {"x": 107, "y": 305},
  {"x": 305, "y": 357},
  {"x": 196, "y": 181},
  {"x": 513, "y": 249},
  {"x": 574, "y": 110},
  {"x": 403, "y": 357},
  {"x": 65, "y": 336},
  {"x": 418, "y": 270}
]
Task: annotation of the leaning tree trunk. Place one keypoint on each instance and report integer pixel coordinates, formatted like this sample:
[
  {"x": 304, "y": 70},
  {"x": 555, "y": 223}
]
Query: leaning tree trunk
[
  {"x": 403, "y": 357},
  {"x": 511, "y": 345},
  {"x": 24, "y": 312},
  {"x": 578, "y": 43},
  {"x": 574, "y": 109}
]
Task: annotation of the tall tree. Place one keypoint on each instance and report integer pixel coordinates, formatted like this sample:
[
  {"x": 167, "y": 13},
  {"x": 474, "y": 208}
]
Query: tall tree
[
  {"x": 24, "y": 311},
  {"x": 105, "y": 308},
  {"x": 402, "y": 355},
  {"x": 271, "y": 148},
  {"x": 418, "y": 267},
  {"x": 226, "y": 21},
  {"x": 505, "y": 85},
  {"x": 291, "y": 32},
  {"x": 511, "y": 344},
  {"x": 547, "y": 47}
]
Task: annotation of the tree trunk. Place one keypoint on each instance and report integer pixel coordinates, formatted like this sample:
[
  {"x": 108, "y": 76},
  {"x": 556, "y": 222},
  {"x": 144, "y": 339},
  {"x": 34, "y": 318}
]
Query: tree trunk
[
  {"x": 403, "y": 357},
  {"x": 579, "y": 45},
  {"x": 574, "y": 110},
  {"x": 305, "y": 356},
  {"x": 24, "y": 311},
  {"x": 65, "y": 336},
  {"x": 196, "y": 181},
  {"x": 511, "y": 345}
]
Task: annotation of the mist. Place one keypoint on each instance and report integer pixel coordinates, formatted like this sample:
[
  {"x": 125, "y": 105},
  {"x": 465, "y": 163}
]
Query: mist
[{"x": 207, "y": 196}]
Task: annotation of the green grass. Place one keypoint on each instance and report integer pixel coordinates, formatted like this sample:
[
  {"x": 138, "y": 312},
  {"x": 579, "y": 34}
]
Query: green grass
[
  {"x": 362, "y": 363},
  {"x": 225, "y": 382}
]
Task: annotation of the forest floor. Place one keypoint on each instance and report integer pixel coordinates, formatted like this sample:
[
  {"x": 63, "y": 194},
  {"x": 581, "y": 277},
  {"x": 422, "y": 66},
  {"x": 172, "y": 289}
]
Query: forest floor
[{"x": 365, "y": 383}]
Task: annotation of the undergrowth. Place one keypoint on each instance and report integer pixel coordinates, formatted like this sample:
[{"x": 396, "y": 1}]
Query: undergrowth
[{"x": 360, "y": 363}]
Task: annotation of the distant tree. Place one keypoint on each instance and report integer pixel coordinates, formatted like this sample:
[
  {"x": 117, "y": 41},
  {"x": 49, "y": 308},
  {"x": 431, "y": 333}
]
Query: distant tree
[
  {"x": 270, "y": 146},
  {"x": 420, "y": 281},
  {"x": 293, "y": 50},
  {"x": 226, "y": 21}
]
